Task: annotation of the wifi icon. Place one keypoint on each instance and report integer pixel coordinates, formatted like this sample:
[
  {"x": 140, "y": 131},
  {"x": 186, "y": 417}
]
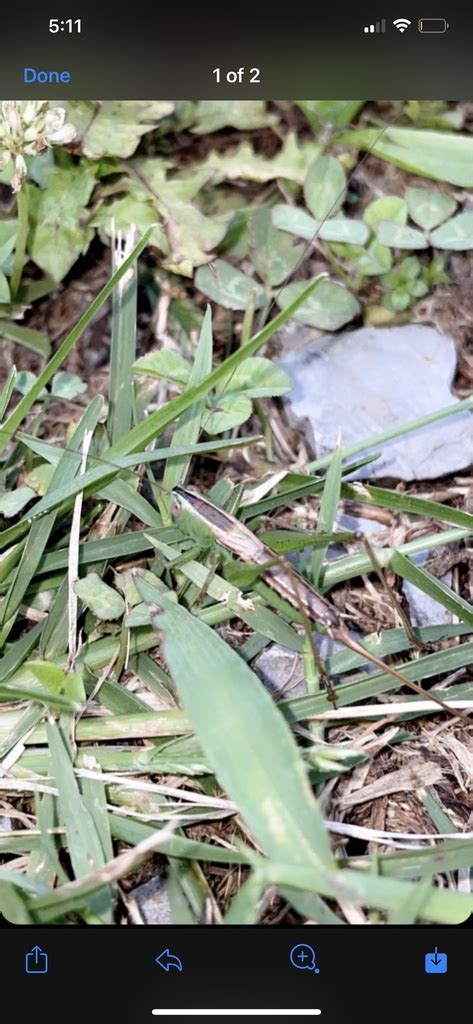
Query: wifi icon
[{"x": 402, "y": 24}]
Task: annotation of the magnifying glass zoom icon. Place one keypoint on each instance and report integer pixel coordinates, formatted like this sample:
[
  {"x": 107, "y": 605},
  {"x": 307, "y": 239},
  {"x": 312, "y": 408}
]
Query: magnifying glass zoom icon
[{"x": 302, "y": 957}]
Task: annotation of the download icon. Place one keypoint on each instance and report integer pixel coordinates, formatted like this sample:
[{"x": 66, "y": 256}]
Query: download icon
[{"x": 436, "y": 963}]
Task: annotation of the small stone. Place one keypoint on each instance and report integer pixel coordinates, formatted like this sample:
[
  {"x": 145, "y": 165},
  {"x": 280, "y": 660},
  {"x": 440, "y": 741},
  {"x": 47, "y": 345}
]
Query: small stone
[
  {"x": 360, "y": 383},
  {"x": 423, "y": 609},
  {"x": 282, "y": 671},
  {"x": 152, "y": 902}
]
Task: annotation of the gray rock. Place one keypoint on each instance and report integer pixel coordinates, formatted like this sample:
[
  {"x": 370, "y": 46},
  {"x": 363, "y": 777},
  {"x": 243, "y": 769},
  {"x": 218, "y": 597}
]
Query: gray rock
[
  {"x": 152, "y": 902},
  {"x": 355, "y": 523},
  {"x": 360, "y": 383},
  {"x": 282, "y": 671},
  {"x": 424, "y": 610}
]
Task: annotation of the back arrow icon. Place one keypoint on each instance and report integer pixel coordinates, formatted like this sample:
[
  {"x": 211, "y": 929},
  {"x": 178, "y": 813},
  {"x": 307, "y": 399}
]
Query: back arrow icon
[{"x": 166, "y": 960}]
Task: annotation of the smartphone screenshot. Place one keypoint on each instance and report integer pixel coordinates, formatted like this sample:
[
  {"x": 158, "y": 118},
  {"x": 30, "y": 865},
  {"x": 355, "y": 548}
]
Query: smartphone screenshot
[{"x": 236, "y": 512}]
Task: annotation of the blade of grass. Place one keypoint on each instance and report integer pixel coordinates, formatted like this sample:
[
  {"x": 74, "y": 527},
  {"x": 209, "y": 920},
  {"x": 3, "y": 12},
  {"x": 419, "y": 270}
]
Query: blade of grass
[
  {"x": 66, "y": 469},
  {"x": 94, "y": 478},
  {"x": 355, "y": 565},
  {"x": 25, "y": 404},
  {"x": 365, "y": 494},
  {"x": 153, "y": 426},
  {"x": 19, "y": 651},
  {"x": 260, "y": 618},
  {"x": 136, "y": 724},
  {"x": 83, "y": 841},
  {"x": 246, "y": 905},
  {"x": 439, "y": 859},
  {"x": 123, "y": 344},
  {"x": 327, "y": 513},
  {"x": 283, "y": 542},
  {"x": 389, "y": 435},
  {"x": 441, "y": 906},
  {"x": 7, "y": 391},
  {"x": 243, "y": 735},
  {"x": 189, "y": 424}
]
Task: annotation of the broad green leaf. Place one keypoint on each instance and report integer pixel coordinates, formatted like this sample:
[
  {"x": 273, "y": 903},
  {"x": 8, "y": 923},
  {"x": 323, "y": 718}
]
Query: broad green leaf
[
  {"x": 344, "y": 230},
  {"x": 331, "y": 112},
  {"x": 429, "y": 208},
  {"x": 4, "y": 288},
  {"x": 330, "y": 306},
  {"x": 258, "y": 377},
  {"x": 114, "y": 127},
  {"x": 156, "y": 422},
  {"x": 228, "y": 286},
  {"x": 151, "y": 178},
  {"x": 165, "y": 364},
  {"x": 34, "y": 340},
  {"x": 212, "y": 115},
  {"x": 8, "y": 233},
  {"x": 457, "y": 233},
  {"x": 244, "y": 737},
  {"x": 56, "y": 680},
  {"x": 25, "y": 380},
  {"x": 397, "y": 237},
  {"x": 189, "y": 235},
  {"x": 227, "y": 411},
  {"x": 390, "y": 208},
  {"x": 291, "y": 162},
  {"x": 41, "y": 166},
  {"x": 335, "y": 229},
  {"x": 102, "y": 600},
  {"x": 444, "y": 156},
  {"x": 375, "y": 260},
  {"x": 67, "y": 385},
  {"x": 325, "y": 187},
  {"x": 12, "y": 502},
  {"x": 40, "y": 478},
  {"x": 59, "y": 231},
  {"x": 274, "y": 256},
  {"x": 119, "y": 213}
]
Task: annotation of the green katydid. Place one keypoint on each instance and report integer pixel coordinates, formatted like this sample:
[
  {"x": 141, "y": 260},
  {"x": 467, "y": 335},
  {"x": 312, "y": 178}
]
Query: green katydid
[{"x": 207, "y": 524}]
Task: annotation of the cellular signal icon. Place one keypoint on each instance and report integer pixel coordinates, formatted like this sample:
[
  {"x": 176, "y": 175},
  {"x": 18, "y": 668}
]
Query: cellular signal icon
[
  {"x": 401, "y": 24},
  {"x": 379, "y": 26}
]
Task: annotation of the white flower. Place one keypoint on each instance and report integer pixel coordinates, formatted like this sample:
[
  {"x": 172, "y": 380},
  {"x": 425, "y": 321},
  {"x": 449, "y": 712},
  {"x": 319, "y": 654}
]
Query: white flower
[
  {"x": 28, "y": 128},
  {"x": 63, "y": 136}
]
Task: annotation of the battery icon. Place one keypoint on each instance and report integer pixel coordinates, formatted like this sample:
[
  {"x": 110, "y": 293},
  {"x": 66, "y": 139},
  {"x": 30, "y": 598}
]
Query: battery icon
[{"x": 430, "y": 25}]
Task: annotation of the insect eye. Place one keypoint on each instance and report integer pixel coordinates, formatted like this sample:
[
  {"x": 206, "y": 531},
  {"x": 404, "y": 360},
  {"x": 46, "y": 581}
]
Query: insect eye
[{"x": 175, "y": 508}]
